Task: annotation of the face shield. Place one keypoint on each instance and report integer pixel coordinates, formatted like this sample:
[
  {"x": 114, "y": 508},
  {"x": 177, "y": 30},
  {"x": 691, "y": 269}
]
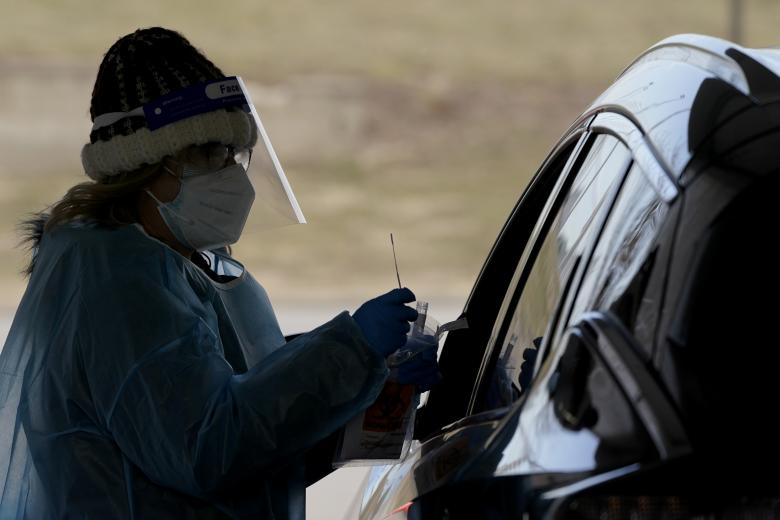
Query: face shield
[{"x": 275, "y": 203}]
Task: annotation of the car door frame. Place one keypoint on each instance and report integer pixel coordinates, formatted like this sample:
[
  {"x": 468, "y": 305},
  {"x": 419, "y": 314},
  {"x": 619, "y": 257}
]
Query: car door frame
[
  {"x": 644, "y": 155},
  {"x": 459, "y": 361}
]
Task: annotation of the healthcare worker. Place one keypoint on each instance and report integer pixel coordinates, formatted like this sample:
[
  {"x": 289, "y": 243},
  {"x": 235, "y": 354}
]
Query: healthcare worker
[{"x": 145, "y": 375}]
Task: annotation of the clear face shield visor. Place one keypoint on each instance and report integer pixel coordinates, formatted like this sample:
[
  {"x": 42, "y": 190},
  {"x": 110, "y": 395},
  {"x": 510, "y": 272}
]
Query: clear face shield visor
[{"x": 275, "y": 204}]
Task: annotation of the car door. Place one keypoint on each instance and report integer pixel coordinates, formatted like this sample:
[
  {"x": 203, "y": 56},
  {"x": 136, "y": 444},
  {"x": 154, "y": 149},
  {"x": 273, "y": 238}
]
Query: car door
[
  {"x": 570, "y": 183},
  {"x": 441, "y": 438},
  {"x": 559, "y": 233},
  {"x": 594, "y": 408}
]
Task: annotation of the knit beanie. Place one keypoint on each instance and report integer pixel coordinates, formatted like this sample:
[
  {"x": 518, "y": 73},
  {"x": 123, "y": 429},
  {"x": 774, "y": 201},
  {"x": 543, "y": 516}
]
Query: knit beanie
[{"x": 141, "y": 67}]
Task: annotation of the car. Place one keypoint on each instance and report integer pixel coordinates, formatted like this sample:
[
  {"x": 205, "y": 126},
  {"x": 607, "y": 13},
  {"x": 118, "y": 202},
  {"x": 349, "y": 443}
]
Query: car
[{"x": 621, "y": 354}]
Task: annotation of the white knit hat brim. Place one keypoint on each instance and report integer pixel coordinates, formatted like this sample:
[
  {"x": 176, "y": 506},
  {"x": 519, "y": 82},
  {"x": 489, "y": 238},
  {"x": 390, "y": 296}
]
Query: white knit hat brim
[{"x": 125, "y": 153}]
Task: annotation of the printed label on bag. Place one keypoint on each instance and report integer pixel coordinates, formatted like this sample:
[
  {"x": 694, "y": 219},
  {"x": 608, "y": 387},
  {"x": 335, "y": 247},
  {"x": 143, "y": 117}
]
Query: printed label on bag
[
  {"x": 388, "y": 411},
  {"x": 380, "y": 431}
]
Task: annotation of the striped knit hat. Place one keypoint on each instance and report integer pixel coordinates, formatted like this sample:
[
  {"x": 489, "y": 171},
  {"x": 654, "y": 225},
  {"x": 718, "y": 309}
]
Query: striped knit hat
[{"x": 137, "y": 69}]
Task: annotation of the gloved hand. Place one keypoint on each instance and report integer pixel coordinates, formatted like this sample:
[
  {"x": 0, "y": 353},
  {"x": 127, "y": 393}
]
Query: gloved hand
[
  {"x": 384, "y": 320},
  {"x": 421, "y": 368}
]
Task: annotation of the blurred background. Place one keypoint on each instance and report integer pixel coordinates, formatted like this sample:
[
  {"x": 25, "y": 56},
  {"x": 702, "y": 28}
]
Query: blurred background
[{"x": 425, "y": 119}]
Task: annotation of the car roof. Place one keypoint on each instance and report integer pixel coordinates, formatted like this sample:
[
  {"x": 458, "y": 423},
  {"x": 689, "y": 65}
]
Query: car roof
[{"x": 659, "y": 90}]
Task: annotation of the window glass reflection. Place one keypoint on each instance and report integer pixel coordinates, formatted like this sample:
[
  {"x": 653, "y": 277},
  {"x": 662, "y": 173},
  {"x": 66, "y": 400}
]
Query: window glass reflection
[
  {"x": 575, "y": 419},
  {"x": 622, "y": 261},
  {"x": 599, "y": 174}
]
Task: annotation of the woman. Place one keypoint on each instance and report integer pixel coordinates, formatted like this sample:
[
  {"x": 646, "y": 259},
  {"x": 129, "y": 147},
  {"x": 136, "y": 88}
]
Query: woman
[{"x": 145, "y": 374}]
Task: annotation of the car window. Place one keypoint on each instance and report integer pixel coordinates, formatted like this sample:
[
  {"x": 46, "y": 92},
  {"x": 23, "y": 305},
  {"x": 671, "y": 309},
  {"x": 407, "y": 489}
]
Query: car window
[
  {"x": 575, "y": 418},
  {"x": 551, "y": 258},
  {"x": 622, "y": 262}
]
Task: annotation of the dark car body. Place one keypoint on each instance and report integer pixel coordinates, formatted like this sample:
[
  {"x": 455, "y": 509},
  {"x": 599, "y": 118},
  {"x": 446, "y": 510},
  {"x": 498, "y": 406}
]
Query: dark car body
[{"x": 640, "y": 259}]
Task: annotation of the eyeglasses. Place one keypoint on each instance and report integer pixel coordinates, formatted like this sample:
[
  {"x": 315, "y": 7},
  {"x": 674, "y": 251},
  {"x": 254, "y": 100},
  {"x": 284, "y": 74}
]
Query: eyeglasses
[{"x": 213, "y": 156}]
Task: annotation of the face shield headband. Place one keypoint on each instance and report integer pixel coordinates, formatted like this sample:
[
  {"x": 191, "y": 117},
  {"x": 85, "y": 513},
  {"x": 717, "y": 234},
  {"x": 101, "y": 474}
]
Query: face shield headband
[{"x": 275, "y": 203}]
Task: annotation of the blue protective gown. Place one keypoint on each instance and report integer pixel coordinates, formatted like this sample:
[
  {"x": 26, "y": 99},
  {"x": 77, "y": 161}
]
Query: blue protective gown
[{"x": 134, "y": 386}]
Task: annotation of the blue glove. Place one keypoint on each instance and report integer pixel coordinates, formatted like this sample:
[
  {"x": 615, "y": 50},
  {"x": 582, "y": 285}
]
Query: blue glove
[
  {"x": 420, "y": 367},
  {"x": 384, "y": 320}
]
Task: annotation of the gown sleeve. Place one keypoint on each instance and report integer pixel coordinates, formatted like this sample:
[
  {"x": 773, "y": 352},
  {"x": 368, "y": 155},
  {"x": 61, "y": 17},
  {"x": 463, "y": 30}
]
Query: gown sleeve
[{"x": 177, "y": 410}]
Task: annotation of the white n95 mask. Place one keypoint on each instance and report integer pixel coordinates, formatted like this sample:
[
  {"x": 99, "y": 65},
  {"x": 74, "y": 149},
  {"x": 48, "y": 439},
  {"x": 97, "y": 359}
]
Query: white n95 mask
[{"x": 211, "y": 208}]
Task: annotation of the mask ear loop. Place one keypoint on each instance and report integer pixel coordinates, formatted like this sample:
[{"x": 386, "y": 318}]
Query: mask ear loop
[
  {"x": 168, "y": 168},
  {"x": 159, "y": 203},
  {"x": 170, "y": 172}
]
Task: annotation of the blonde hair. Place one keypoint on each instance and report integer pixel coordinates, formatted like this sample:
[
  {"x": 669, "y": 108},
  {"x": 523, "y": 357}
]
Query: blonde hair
[{"x": 110, "y": 202}]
